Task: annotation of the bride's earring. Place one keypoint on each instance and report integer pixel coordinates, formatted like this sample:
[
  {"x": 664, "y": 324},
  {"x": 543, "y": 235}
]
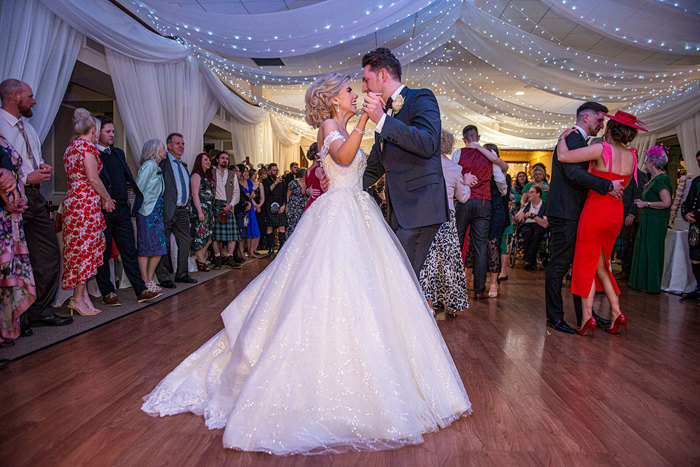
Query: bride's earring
[{"x": 337, "y": 107}]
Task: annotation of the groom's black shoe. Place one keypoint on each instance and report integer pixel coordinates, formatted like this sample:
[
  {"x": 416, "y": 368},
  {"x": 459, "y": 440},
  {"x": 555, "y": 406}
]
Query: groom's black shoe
[
  {"x": 601, "y": 321},
  {"x": 560, "y": 325}
]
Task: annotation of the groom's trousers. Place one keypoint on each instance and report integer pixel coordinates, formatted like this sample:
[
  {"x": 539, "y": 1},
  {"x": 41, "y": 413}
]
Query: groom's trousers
[
  {"x": 563, "y": 240},
  {"x": 415, "y": 242}
]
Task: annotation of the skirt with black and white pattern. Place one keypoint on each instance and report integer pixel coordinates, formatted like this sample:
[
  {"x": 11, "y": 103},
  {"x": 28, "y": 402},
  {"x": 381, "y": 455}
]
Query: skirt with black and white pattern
[{"x": 442, "y": 277}]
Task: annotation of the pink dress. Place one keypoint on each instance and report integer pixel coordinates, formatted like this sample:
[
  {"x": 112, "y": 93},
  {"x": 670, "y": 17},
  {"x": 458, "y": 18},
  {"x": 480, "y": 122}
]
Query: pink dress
[{"x": 83, "y": 222}]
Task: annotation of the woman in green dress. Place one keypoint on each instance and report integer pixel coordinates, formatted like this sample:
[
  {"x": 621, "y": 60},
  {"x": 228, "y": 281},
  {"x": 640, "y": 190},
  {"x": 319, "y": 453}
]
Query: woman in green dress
[{"x": 648, "y": 259}]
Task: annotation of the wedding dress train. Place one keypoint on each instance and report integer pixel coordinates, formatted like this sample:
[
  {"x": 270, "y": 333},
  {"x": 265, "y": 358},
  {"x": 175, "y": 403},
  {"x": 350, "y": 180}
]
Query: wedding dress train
[{"x": 332, "y": 347}]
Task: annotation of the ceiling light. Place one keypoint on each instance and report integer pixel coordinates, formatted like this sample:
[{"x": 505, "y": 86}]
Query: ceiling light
[{"x": 519, "y": 93}]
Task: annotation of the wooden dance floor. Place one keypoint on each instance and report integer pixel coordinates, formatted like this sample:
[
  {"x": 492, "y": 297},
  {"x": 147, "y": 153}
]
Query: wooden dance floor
[{"x": 539, "y": 397}]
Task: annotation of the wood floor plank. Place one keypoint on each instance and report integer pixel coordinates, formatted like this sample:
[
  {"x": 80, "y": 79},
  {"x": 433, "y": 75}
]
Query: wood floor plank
[{"x": 539, "y": 397}]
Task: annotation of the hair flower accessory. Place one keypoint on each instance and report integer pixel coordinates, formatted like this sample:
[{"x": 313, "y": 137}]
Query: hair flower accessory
[
  {"x": 656, "y": 153},
  {"x": 397, "y": 104}
]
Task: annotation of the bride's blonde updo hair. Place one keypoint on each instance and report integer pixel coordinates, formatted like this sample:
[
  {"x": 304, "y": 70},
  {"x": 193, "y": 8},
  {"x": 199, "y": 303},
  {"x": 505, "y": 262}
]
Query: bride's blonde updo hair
[
  {"x": 82, "y": 122},
  {"x": 318, "y": 97}
]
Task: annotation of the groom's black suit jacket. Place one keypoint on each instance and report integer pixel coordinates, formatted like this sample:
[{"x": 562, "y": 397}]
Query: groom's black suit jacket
[
  {"x": 570, "y": 183},
  {"x": 410, "y": 158}
]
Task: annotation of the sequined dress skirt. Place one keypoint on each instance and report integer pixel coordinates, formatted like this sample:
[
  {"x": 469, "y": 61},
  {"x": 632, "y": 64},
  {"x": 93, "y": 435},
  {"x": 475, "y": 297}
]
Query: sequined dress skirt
[{"x": 351, "y": 360}]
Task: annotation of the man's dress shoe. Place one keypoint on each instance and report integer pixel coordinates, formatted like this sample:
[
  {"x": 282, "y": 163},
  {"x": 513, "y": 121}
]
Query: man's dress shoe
[
  {"x": 168, "y": 284},
  {"x": 52, "y": 320},
  {"x": 186, "y": 280},
  {"x": 601, "y": 321},
  {"x": 560, "y": 325}
]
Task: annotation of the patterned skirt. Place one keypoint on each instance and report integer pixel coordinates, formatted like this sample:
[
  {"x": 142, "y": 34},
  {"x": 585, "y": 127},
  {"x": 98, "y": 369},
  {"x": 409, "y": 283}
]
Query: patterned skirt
[
  {"x": 150, "y": 232},
  {"x": 17, "y": 290},
  {"x": 442, "y": 277},
  {"x": 227, "y": 232}
]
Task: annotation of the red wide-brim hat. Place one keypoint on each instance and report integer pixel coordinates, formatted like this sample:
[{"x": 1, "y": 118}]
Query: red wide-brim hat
[{"x": 626, "y": 119}]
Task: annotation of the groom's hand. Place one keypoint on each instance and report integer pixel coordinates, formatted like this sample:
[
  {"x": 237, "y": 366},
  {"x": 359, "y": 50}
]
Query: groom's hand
[
  {"x": 373, "y": 106},
  {"x": 618, "y": 189}
]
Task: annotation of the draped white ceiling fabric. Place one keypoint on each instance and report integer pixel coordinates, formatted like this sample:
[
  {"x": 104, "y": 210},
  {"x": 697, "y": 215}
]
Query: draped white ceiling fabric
[
  {"x": 39, "y": 49},
  {"x": 288, "y": 33},
  {"x": 664, "y": 26}
]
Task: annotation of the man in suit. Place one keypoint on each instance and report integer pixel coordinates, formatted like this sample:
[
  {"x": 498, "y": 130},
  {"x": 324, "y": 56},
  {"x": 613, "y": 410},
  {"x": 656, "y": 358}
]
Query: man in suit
[
  {"x": 118, "y": 181},
  {"x": 17, "y": 102},
  {"x": 176, "y": 214},
  {"x": 567, "y": 195},
  {"x": 407, "y": 150}
]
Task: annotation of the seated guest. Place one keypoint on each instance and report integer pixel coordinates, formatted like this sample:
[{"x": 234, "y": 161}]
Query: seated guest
[
  {"x": 691, "y": 212},
  {"x": 119, "y": 182},
  {"x": 83, "y": 222},
  {"x": 533, "y": 225},
  {"x": 655, "y": 204},
  {"x": 539, "y": 178},
  {"x": 202, "y": 217},
  {"x": 296, "y": 200},
  {"x": 442, "y": 276},
  {"x": 16, "y": 280},
  {"x": 151, "y": 243},
  {"x": 227, "y": 194}
]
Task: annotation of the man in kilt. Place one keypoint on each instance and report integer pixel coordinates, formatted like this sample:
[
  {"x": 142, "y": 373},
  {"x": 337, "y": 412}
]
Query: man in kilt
[
  {"x": 274, "y": 209},
  {"x": 227, "y": 194}
]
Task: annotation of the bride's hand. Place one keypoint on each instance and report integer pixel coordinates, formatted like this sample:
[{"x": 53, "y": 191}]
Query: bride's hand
[
  {"x": 566, "y": 133},
  {"x": 373, "y": 106}
]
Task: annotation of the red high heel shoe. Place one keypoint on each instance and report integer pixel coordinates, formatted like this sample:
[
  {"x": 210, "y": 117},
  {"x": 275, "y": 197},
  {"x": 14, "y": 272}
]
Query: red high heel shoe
[
  {"x": 615, "y": 329},
  {"x": 590, "y": 324}
]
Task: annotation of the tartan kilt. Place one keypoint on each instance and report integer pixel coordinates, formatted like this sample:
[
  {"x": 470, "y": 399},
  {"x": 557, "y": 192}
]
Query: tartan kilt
[{"x": 227, "y": 232}]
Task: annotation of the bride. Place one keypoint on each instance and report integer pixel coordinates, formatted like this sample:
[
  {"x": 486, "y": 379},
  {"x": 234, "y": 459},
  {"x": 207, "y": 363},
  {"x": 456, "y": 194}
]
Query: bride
[{"x": 327, "y": 349}]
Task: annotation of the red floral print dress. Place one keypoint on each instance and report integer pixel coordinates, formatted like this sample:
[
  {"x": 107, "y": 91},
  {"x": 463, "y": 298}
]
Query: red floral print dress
[{"x": 83, "y": 222}]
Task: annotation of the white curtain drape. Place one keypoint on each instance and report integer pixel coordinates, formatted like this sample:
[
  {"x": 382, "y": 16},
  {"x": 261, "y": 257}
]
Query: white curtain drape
[
  {"x": 285, "y": 144},
  {"x": 39, "y": 49},
  {"x": 156, "y": 99},
  {"x": 688, "y": 132},
  {"x": 642, "y": 142},
  {"x": 103, "y": 22}
]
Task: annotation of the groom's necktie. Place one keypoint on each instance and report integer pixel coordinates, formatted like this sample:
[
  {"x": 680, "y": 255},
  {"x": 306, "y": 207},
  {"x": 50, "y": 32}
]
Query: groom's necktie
[{"x": 387, "y": 107}]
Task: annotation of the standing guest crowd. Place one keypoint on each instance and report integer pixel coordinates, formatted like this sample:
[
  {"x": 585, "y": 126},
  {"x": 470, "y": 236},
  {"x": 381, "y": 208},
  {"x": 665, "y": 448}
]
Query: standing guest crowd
[{"x": 223, "y": 213}]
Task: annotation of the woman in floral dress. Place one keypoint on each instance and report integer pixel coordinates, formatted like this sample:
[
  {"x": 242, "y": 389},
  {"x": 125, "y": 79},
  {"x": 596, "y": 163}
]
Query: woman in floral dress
[
  {"x": 83, "y": 222},
  {"x": 296, "y": 201},
  {"x": 202, "y": 218},
  {"x": 17, "y": 290}
]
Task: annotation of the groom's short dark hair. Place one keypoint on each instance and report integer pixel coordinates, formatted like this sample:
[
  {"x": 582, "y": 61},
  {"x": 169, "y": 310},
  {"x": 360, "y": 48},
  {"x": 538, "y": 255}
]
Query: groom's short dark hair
[
  {"x": 592, "y": 106},
  {"x": 382, "y": 57}
]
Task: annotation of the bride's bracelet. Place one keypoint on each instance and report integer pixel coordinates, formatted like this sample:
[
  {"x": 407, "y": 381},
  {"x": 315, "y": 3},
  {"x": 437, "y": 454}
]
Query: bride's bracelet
[{"x": 358, "y": 130}]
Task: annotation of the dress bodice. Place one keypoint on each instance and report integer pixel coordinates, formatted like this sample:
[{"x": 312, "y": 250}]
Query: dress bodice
[{"x": 339, "y": 176}]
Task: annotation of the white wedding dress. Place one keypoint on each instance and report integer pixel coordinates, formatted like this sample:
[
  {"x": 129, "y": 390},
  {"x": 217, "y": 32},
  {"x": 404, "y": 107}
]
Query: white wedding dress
[{"x": 332, "y": 347}]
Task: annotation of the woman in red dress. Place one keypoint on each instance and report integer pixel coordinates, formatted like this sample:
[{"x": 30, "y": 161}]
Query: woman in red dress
[
  {"x": 601, "y": 218},
  {"x": 83, "y": 222},
  {"x": 312, "y": 179}
]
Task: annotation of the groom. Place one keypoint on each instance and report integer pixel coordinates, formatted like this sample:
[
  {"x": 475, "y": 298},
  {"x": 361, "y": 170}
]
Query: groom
[
  {"x": 567, "y": 195},
  {"x": 407, "y": 150}
]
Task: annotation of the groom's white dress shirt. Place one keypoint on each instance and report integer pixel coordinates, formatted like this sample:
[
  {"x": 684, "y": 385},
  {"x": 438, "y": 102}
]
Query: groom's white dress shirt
[{"x": 389, "y": 112}]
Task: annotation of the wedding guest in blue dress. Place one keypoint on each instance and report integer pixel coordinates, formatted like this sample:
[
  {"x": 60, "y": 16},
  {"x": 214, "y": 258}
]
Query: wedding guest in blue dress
[
  {"x": 252, "y": 231},
  {"x": 149, "y": 219}
]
